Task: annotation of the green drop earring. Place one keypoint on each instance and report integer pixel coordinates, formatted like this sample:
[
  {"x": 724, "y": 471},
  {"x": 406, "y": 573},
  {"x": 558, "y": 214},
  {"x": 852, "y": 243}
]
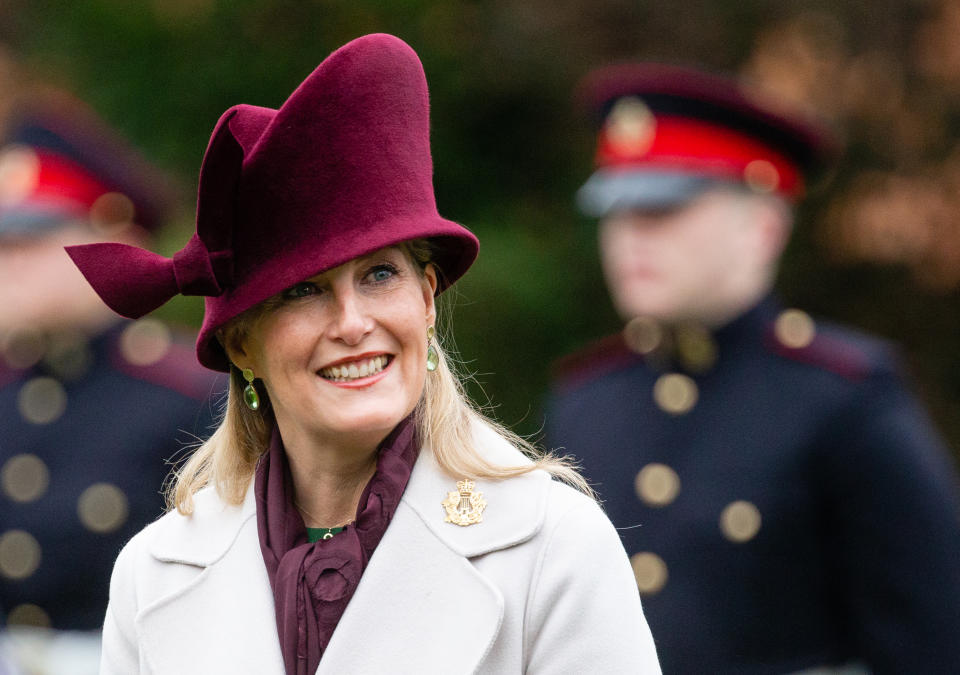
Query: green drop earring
[
  {"x": 433, "y": 359},
  {"x": 250, "y": 396}
]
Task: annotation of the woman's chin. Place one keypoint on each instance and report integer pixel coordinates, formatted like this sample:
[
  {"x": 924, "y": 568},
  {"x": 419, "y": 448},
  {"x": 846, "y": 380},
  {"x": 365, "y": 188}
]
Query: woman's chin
[{"x": 361, "y": 425}]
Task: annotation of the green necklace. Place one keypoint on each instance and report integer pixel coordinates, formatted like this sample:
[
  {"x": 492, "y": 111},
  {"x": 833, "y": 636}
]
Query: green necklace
[{"x": 315, "y": 534}]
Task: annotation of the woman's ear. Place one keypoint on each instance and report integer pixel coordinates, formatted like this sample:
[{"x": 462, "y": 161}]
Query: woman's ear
[
  {"x": 232, "y": 343},
  {"x": 430, "y": 283}
]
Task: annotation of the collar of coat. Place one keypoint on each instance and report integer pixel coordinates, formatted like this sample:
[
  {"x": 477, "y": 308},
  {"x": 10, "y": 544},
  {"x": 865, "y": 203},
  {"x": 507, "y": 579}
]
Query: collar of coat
[
  {"x": 417, "y": 579},
  {"x": 208, "y": 534}
]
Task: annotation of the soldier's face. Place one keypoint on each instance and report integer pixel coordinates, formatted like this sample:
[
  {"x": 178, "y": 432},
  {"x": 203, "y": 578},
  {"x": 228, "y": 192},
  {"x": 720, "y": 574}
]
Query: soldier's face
[
  {"x": 41, "y": 289},
  {"x": 706, "y": 261}
]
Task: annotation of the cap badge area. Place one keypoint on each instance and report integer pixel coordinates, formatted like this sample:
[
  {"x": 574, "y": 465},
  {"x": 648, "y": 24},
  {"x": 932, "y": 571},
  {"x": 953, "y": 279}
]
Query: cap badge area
[
  {"x": 630, "y": 127},
  {"x": 464, "y": 507},
  {"x": 19, "y": 174}
]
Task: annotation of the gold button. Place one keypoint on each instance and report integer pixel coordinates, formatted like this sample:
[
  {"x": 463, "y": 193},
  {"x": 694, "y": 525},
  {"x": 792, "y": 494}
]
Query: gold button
[
  {"x": 696, "y": 347},
  {"x": 102, "y": 508},
  {"x": 761, "y": 176},
  {"x": 794, "y": 328},
  {"x": 740, "y": 521},
  {"x": 68, "y": 355},
  {"x": 28, "y": 615},
  {"x": 675, "y": 393},
  {"x": 650, "y": 572},
  {"x": 643, "y": 335},
  {"x": 42, "y": 400},
  {"x": 23, "y": 348},
  {"x": 145, "y": 342},
  {"x": 657, "y": 484},
  {"x": 111, "y": 213},
  {"x": 24, "y": 478},
  {"x": 19, "y": 554},
  {"x": 630, "y": 127}
]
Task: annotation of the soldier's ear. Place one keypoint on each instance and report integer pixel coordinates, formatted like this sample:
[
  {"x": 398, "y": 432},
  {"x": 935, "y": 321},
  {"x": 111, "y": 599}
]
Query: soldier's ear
[{"x": 774, "y": 219}]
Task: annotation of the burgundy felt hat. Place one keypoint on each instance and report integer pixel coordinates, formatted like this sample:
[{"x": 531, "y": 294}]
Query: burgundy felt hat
[
  {"x": 341, "y": 169},
  {"x": 669, "y": 132}
]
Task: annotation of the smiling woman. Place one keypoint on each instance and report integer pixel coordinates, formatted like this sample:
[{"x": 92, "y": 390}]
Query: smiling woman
[
  {"x": 314, "y": 347},
  {"x": 352, "y": 498}
]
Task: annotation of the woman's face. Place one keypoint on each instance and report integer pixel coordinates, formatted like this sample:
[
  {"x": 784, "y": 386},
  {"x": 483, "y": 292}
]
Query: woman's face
[{"x": 343, "y": 355}]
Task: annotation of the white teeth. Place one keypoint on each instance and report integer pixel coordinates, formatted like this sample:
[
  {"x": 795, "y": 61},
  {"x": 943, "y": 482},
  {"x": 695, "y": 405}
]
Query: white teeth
[{"x": 355, "y": 370}]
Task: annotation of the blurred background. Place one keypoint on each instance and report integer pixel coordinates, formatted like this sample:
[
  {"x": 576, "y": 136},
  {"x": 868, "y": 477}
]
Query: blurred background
[{"x": 877, "y": 244}]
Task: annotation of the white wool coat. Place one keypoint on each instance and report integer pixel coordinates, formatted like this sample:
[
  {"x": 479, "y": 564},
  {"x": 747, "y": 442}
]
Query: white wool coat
[{"x": 541, "y": 585}]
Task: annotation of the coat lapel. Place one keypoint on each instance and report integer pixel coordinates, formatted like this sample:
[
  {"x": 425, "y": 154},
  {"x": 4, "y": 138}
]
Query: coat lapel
[
  {"x": 515, "y": 508},
  {"x": 222, "y": 618},
  {"x": 421, "y": 605}
]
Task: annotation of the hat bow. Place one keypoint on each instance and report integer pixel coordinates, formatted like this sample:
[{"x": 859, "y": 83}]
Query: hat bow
[{"x": 134, "y": 282}]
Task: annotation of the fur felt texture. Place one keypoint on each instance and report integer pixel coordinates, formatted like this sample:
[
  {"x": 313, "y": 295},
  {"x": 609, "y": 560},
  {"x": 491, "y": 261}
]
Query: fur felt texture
[{"x": 341, "y": 169}]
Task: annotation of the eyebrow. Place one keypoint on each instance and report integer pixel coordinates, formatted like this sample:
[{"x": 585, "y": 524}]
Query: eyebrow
[{"x": 395, "y": 248}]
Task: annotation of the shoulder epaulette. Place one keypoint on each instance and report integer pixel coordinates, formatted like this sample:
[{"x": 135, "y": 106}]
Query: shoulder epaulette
[
  {"x": 598, "y": 358},
  {"x": 177, "y": 369},
  {"x": 837, "y": 350}
]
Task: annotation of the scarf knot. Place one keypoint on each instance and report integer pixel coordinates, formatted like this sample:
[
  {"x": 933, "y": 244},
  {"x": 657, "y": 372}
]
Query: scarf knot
[{"x": 313, "y": 582}]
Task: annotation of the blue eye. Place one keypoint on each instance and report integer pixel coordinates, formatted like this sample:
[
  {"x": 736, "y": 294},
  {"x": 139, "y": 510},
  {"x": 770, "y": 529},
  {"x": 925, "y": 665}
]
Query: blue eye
[
  {"x": 382, "y": 272},
  {"x": 301, "y": 290}
]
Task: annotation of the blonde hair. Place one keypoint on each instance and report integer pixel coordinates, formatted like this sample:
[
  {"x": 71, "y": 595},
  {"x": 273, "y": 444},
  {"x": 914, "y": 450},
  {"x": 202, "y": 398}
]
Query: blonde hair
[{"x": 446, "y": 422}]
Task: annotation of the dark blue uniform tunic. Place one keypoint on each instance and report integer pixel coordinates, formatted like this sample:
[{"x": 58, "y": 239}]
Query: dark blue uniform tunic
[
  {"x": 801, "y": 512},
  {"x": 83, "y": 454}
]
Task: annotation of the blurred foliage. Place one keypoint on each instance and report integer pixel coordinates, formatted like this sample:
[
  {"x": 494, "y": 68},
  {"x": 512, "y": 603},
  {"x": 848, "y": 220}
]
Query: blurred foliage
[{"x": 510, "y": 147}]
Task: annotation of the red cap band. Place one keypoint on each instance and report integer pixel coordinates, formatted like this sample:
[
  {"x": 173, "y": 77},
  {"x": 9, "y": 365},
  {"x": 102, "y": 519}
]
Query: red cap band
[
  {"x": 63, "y": 181},
  {"x": 683, "y": 144}
]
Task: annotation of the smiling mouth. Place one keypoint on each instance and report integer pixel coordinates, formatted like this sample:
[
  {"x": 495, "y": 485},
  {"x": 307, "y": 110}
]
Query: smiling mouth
[{"x": 355, "y": 370}]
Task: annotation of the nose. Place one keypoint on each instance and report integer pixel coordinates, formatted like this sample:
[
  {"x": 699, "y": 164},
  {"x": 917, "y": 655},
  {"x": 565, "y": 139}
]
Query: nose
[{"x": 352, "y": 321}]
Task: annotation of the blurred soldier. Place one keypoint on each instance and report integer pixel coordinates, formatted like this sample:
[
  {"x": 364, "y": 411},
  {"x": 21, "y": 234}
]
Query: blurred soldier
[
  {"x": 87, "y": 404},
  {"x": 786, "y": 503}
]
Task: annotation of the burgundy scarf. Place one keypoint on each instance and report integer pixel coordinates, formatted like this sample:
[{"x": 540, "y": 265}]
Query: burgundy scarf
[{"x": 312, "y": 583}]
